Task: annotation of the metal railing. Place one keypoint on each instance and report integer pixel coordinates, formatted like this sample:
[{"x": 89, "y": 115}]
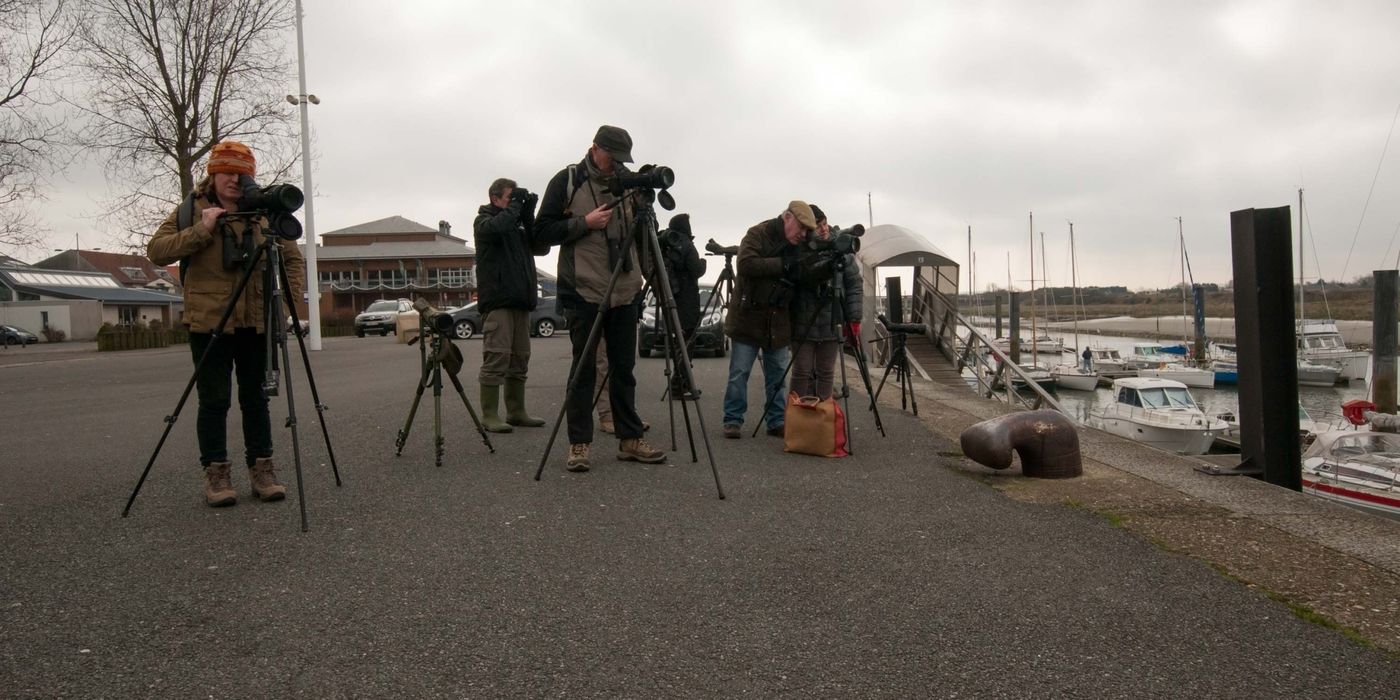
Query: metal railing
[{"x": 934, "y": 309}]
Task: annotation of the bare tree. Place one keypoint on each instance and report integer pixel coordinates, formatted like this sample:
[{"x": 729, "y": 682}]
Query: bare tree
[
  {"x": 35, "y": 33},
  {"x": 168, "y": 79}
]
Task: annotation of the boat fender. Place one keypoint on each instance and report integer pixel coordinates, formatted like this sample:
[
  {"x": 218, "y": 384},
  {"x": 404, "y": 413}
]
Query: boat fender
[
  {"x": 1383, "y": 422},
  {"x": 1045, "y": 440}
]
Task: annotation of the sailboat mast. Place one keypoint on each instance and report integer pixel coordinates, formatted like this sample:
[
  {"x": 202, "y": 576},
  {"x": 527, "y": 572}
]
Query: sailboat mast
[
  {"x": 1302, "y": 309},
  {"x": 1185, "y": 317},
  {"x": 1035, "y": 356},
  {"x": 1074, "y": 282}
]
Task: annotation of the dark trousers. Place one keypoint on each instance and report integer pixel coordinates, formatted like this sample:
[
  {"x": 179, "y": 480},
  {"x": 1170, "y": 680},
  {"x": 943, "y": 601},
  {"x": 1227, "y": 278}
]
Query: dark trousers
[
  {"x": 243, "y": 350},
  {"x": 620, "y": 334}
]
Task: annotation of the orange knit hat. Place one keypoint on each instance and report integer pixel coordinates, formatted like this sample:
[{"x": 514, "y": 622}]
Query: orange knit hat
[{"x": 231, "y": 157}]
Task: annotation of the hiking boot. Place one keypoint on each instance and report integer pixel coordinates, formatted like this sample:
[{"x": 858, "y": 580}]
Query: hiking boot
[
  {"x": 639, "y": 450},
  {"x": 607, "y": 426},
  {"x": 515, "y": 405},
  {"x": 578, "y": 457},
  {"x": 218, "y": 488},
  {"x": 778, "y": 431},
  {"x": 732, "y": 431},
  {"x": 490, "y": 410},
  {"x": 264, "y": 477}
]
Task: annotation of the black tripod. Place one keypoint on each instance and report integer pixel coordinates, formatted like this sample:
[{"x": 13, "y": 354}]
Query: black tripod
[
  {"x": 645, "y": 226},
  {"x": 274, "y": 283},
  {"x": 723, "y": 289},
  {"x": 443, "y": 353},
  {"x": 899, "y": 362},
  {"x": 836, "y": 299}
]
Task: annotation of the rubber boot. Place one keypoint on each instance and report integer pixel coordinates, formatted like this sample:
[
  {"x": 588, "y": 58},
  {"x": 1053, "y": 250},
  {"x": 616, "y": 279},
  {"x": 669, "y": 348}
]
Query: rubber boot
[
  {"x": 490, "y": 408},
  {"x": 515, "y": 405},
  {"x": 218, "y": 488}
]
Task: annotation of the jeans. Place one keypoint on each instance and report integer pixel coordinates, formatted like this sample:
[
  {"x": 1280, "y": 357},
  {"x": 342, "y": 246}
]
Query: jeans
[
  {"x": 736, "y": 393},
  {"x": 620, "y": 333},
  {"x": 244, "y": 350}
]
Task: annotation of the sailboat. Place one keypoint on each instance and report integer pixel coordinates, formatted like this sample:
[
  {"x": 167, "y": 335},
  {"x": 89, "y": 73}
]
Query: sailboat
[
  {"x": 1168, "y": 367},
  {"x": 1073, "y": 376},
  {"x": 1319, "y": 341}
]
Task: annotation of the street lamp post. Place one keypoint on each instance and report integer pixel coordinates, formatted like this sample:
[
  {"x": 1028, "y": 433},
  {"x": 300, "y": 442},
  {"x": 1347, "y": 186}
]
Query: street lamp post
[{"x": 313, "y": 282}]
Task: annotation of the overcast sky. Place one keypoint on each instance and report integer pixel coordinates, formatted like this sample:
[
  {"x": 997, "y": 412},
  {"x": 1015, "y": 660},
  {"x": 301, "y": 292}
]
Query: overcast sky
[{"x": 1119, "y": 116}]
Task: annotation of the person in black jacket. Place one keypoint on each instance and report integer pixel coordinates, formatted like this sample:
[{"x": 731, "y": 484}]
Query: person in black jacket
[
  {"x": 684, "y": 267},
  {"x": 507, "y": 293}
]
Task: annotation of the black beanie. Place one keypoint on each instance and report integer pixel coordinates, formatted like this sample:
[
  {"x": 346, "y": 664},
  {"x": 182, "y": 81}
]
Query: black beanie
[
  {"x": 680, "y": 223},
  {"x": 818, "y": 213}
]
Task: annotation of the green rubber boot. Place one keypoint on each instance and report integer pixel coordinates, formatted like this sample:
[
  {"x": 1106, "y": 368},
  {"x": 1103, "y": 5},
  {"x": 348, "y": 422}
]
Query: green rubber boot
[
  {"x": 490, "y": 408},
  {"x": 515, "y": 405}
]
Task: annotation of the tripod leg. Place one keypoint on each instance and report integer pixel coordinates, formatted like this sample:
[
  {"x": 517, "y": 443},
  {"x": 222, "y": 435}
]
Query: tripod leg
[
  {"x": 865, "y": 374},
  {"x": 194, "y": 376},
  {"x": 773, "y": 395},
  {"x": 412, "y": 410},
  {"x": 311, "y": 378},
  {"x": 589, "y": 354},
  {"x": 437, "y": 414},
  {"x": 296, "y": 441},
  {"x": 457, "y": 384},
  {"x": 845, "y": 395}
]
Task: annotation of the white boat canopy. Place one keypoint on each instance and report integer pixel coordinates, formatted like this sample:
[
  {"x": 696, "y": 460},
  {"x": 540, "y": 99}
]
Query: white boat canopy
[{"x": 889, "y": 245}]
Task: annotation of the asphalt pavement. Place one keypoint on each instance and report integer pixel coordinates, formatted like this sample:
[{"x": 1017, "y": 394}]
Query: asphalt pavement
[{"x": 884, "y": 574}]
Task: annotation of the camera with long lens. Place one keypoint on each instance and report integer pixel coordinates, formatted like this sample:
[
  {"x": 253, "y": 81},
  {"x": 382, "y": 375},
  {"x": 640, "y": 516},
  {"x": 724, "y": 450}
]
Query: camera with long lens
[
  {"x": 433, "y": 319},
  {"x": 276, "y": 202},
  {"x": 906, "y": 328},
  {"x": 714, "y": 248},
  {"x": 648, "y": 178},
  {"x": 841, "y": 241}
]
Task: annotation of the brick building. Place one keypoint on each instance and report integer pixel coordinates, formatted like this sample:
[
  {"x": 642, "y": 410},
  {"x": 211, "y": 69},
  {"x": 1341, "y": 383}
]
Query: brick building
[{"x": 393, "y": 258}]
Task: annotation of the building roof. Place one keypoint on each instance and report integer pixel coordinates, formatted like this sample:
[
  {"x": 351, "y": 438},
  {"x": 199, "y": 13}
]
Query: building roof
[
  {"x": 129, "y": 270},
  {"x": 439, "y": 248},
  {"x": 72, "y": 284},
  {"x": 388, "y": 225},
  {"x": 7, "y": 261}
]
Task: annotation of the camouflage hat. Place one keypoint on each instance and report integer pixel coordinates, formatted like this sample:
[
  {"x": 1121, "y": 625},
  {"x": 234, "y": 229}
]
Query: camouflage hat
[
  {"x": 616, "y": 141},
  {"x": 802, "y": 213}
]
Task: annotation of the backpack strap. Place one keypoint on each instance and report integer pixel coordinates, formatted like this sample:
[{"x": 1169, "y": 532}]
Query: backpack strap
[{"x": 184, "y": 218}]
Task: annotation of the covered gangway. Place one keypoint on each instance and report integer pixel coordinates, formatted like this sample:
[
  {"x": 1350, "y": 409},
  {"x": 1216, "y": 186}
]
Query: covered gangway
[{"x": 933, "y": 293}]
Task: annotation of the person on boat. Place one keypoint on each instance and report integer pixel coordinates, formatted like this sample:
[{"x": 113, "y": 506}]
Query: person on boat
[{"x": 1088, "y": 356}]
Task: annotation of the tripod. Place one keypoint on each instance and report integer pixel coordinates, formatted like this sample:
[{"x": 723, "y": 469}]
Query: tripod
[
  {"x": 645, "y": 226},
  {"x": 899, "y": 364},
  {"x": 837, "y": 300},
  {"x": 274, "y": 282},
  {"x": 443, "y": 353}
]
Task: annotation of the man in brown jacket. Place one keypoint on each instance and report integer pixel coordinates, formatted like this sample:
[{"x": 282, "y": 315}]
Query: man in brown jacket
[
  {"x": 241, "y": 345},
  {"x": 758, "y": 321}
]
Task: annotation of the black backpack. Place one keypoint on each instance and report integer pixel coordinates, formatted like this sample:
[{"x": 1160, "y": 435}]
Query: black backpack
[{"x": 184, "y": 218}]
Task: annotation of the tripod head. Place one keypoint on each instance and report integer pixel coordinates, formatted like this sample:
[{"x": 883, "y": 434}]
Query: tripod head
[
  {"x": 713, "y": 248},
  {"x": 901, "y": 328}
]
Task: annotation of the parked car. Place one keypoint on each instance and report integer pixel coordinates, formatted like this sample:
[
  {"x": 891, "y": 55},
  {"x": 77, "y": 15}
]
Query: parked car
[
  {"x": 381, "y": 316},
  {"x": 14, "y": 335},
  {"x": 545, "y": 321},
  {"x": 709, "y": 335}
]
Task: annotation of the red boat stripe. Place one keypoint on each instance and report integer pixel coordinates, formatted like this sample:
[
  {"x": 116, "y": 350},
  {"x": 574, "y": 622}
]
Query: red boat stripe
[{"x": 1358, "y": 495}]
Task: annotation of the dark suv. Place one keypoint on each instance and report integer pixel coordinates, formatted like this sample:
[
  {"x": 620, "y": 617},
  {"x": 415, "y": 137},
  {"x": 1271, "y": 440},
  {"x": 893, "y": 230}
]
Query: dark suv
[
  {"x": 709, "y": 335},
  {"x": 544, "y": 320},
  {"x": 381, "y": 316}
]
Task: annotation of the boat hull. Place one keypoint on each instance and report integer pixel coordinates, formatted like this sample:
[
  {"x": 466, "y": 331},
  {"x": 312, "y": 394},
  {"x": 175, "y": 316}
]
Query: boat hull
[
  {"x": 1076, "y": 381},
  {"x": 1197, "y": 378},
  {"x": 1365, "y": 499},
  {"x": 1186, "y": 441}
]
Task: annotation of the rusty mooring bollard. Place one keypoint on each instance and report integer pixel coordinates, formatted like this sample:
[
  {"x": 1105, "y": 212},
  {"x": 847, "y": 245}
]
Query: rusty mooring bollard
[{"x": 1046, "y": 441}]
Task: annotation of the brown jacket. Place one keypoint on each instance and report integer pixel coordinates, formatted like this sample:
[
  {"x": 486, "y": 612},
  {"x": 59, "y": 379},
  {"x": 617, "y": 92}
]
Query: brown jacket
[
  {"x": 758, "y": 312},
  {"x": 208, "y": 286}
]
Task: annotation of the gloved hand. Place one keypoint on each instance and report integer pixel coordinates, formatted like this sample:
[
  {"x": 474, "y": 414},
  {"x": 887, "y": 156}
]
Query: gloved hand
[
  {"x": 853, "y": 333},
  {"x": 792, "y": 265}
]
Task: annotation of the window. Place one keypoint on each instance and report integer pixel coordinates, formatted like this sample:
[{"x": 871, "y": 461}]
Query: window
[
  {"x": 126, "y": 315},
  {"x": 135, "y": 273}
]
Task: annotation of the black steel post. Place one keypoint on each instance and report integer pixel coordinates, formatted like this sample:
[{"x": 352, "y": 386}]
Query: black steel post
[
  {"x": 1266, "y": 337},
  {"x": 895, "y": 298},
  {"x": 998, "y": 312},
  {"x": 1014, "y": 317},
  {"x": 1383, "y": 340}
]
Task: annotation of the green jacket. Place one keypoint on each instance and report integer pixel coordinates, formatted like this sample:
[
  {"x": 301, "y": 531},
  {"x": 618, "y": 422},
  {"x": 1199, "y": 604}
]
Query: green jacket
[
  {"x": 207, "y": 285},
  {"x": 759, "y": 310}
]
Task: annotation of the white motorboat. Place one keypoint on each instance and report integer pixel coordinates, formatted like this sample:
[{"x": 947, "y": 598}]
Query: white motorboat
[
  {"x": 1320, "y": 342},
  {"x": 1317, "y": 374},
  {"x": 1147, "y": 355},
  {"x": 1360, "y": 468},
  {"x": 1190, "y": 376},
  {"x": 1161, "y": 413},
  {"x": 1107, "y": 360},
  {"x": 1074, "y": 377},
  {"x": 1043, "y": 345}
]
